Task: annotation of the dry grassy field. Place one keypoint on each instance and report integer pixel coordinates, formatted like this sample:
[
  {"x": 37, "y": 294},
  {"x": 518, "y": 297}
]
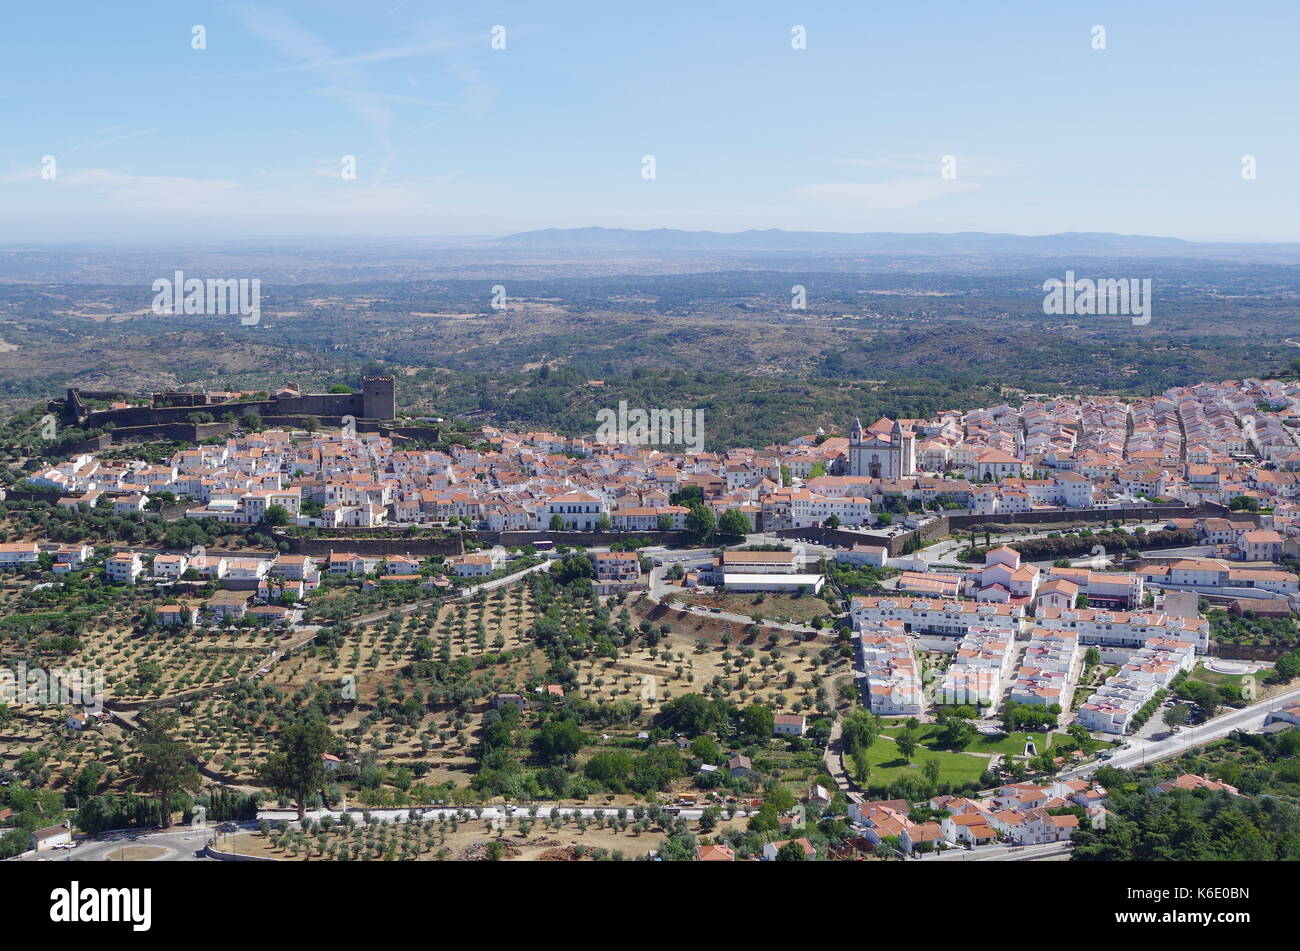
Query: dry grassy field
[
  {"x": 770, "y": 607},
  {"x": 464, "y": 840}
]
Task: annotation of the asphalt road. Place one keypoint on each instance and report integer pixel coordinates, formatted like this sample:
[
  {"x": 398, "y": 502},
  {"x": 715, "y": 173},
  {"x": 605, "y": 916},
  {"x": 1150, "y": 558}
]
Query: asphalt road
[
  {"x": 1005, "y": 853},
  {"x": 180, "y": 844},
  {"x": 1140, "y": 751}
]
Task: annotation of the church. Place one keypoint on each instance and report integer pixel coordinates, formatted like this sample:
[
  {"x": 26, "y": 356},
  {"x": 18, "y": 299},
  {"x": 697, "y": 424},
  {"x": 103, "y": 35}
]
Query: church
[{"x": 884, "y": 450}]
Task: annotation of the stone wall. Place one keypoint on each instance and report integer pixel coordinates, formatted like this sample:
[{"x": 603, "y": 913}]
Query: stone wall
[
  {"x": 843, "y": 538},
  {"x": 583, "y": 539},
  {"x": 321, "y": 547},
  {"x": 965, "y": 521},
  {"x": 375, "y": 401},
  {"x": 212, "y": 853}
]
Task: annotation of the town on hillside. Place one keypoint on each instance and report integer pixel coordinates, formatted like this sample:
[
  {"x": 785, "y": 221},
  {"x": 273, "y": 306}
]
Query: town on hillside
[{"x": 930, "y": 638}]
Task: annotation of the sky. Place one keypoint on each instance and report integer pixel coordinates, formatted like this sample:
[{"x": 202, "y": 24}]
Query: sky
[{"x": 117, "y": 128}]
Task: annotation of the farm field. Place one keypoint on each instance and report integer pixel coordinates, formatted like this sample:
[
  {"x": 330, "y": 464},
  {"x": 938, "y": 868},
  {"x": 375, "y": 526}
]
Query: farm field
[
  {"x": 366, "y": 670},
  {"x": 467, "y": 839}
]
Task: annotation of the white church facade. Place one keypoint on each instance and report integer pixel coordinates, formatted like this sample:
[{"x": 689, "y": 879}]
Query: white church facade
[{"x": 884, "y": 450}]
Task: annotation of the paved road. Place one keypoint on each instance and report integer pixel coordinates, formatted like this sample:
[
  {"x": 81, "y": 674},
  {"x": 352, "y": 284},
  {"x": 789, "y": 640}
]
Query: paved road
[
  {"x": 1140, "y": 751},
  {"x": 1005, "y": 853},
  {"x": 180, "y": 844},
  {"x": 834, "y": 756}
]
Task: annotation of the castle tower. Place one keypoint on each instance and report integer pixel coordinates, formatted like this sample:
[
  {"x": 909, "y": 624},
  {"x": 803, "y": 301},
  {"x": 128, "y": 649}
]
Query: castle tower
[{"x": 378, "y": 399}]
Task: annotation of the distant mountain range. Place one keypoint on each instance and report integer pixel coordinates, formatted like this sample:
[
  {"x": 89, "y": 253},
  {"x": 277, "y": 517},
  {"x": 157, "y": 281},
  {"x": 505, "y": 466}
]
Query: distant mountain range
[
  {"x": 975, "y": 242},
  {"x": 604, "y": 252}
]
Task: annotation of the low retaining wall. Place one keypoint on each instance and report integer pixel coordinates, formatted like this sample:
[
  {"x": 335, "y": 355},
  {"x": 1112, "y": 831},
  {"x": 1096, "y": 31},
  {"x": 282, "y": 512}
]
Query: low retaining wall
[
  {"x": 964, "y": 522},
  {"x": 583, "y": 539},
  {"x": 320, "y": 547},
  {"x": 212, "y": 853},
  {"x": 949, "y": 524},
  {"x": 843, "y": 538},
  {"x": 1250, "y": 651}
]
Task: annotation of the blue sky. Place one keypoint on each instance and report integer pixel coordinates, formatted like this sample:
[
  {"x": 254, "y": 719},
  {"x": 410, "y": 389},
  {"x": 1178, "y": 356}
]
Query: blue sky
[{"x": 153, "y": 139}]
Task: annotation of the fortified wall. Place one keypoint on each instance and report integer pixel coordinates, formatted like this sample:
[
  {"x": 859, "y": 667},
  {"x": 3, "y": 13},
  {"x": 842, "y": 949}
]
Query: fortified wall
[{"x": 375, "y": 401}]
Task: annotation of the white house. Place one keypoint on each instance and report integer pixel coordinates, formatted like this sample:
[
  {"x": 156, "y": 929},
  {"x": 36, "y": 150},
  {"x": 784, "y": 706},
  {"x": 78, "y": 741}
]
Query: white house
[
  {"x": 50, "y": 838},
  {"x": 16, "y": 554},
  {"x": 578, "y": 511},
  {"x": 786, "y": 724},
  {"x": 124, "y": 567},
  {"x": 870, "y": 556}
]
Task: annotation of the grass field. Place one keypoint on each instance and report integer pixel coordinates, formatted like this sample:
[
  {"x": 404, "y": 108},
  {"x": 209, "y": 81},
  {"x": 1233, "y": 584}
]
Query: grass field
[
  {"x": 1010, "y": 745},
  {"x": 1219, "y": 680},
  {"x": 963, "y": 766},
  {"x": 887, "y": 763}
]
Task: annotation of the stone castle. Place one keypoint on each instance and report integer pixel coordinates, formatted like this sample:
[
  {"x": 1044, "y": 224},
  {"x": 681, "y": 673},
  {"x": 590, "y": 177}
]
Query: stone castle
[{"x": 375, "y": 401}]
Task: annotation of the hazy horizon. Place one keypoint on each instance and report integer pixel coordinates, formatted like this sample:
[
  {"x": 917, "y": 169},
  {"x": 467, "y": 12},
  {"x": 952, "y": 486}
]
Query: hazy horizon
[{"x": 471, "y": 239}]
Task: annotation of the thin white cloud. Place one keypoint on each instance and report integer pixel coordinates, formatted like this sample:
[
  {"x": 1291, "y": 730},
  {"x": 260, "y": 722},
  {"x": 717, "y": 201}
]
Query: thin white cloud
[
  {"x": 30, "y": 174},
  {"x": 121, "y": 138},
  {"x": 886, "y": 196},
  {"x": 111, "y": 140},
  {"x": 277, "y": 196},
  {"x": 170, "y": 193},
  {"x": 348, "y": 83},
  {"x": 377, "y": 56},
  {"x": 868, "y": 162},
  {"x": 345, "y": 84},
  {"x": 981, "y": 165}
]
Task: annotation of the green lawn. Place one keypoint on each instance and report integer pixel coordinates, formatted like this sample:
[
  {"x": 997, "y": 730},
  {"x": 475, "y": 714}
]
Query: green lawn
[
  {"x": 1218, "y": 680},
  {"x": 1011, "y": 745},
  {"x": 887, "y": 764}
]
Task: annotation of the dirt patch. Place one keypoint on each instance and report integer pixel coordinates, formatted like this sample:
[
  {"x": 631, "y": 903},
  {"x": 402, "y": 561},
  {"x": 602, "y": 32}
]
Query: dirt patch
[
  {"x": 478, "y": 852},
  {"x": 775, "y": 607},
  {"x": 558, "y": 855},
  {"x": 135, "y": 853}
]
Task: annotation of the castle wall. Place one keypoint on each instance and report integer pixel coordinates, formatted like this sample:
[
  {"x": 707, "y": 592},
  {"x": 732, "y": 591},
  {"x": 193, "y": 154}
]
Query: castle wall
[{"x": 376, "y": 401}]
